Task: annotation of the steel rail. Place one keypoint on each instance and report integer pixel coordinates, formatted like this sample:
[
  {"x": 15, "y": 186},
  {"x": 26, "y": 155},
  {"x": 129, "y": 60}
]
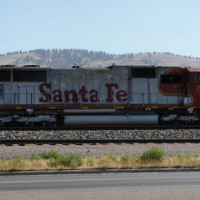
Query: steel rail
[
  {"x": 95, "y": 141},
  {"x": 160, "y": 127}
]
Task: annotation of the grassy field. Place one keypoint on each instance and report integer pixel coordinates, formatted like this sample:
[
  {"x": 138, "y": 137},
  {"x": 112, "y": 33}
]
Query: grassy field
[{"x": 50, "y": 160}]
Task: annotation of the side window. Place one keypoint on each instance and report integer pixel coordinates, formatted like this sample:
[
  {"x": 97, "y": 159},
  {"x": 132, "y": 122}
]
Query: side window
[
  {"x": 197, "y": 78},
  {"x": 1, "y": 90},
  {"x": 29, "y": 75},
  {"x": 143, "y": 72},
  {"x": 5, "y": 75},
  {"x": 174, "y": 79}
]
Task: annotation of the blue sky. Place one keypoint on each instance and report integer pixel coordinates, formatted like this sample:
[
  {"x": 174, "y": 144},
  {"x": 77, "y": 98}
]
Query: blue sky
[{"x": 113, "y": 26}]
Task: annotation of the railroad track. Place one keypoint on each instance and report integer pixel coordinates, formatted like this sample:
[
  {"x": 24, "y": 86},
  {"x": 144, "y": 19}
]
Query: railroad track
[
  {"x": 93, "y": 141},
  {"x": 163, "y": 138},
  {"x": 160, "y": 127}
]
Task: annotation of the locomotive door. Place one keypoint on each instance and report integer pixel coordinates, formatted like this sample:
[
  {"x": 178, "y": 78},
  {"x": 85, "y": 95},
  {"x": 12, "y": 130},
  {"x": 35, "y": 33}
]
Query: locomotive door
[
  {"x": 22, "y": 95},
  {"x": 143, "y": 85},
  {"x": 1, "y": 92},
  {"x": 139, "y": 91},
  {"x": 143, "y": 91},
  {"x": 26, "y": 95},
  {"x": 30, "y": 95},
  {"x": 153, "y": 91}
]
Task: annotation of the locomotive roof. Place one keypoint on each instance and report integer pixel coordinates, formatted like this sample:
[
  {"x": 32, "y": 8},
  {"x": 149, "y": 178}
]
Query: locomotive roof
[
  {"x": 193, "y": 69},
  {"x": 31, "y": 67},
  {"x": 142, "y": 66},
  {"x": 37, "y": 67}
]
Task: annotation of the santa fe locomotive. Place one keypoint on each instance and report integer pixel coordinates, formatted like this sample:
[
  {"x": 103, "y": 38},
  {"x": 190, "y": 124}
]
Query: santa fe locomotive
[{"x": 112, "y": 96}]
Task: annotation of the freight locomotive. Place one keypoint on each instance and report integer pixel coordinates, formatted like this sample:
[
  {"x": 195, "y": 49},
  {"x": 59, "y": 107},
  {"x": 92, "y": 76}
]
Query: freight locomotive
[{"x": 112, "y": 96}]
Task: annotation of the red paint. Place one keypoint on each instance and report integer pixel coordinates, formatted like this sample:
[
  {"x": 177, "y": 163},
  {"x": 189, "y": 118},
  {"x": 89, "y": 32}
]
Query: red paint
[
  {"x": 46, "y": 96},
  {"x": 83, "y": 95},
  {"x": 57, "y": 96},
  {"x": 122, "y": 96},
  {"x": 171, "y": 89},
  {"x": 187, "y": 88},
  {"x": 71, "y": 96},
  {"x": 194, "y": 87},
  {"x": 110, "y": 91},
  {"x": 94, "y": 96}
]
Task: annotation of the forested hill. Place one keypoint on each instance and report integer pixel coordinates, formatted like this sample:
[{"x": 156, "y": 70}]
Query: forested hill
[{"x": 65, "y": 58}]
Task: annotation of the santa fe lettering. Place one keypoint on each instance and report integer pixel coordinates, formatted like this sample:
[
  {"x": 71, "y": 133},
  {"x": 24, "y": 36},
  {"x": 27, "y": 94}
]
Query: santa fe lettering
[{"x": 84, "y": 95}]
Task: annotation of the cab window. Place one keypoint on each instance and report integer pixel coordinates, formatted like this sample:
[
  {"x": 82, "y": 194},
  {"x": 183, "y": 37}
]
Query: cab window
[
  {"x": 174, "y": 79},
  {"x": 197, "y": 78}
]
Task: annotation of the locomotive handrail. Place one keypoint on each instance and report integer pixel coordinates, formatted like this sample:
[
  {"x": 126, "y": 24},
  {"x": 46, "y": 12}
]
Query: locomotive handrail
[{"x": 135, "y": 98}]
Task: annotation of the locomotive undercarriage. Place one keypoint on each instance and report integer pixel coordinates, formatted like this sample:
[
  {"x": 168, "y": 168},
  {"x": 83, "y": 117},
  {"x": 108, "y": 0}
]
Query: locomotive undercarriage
[
  {"x": 27, "y": 118},
  {"x": 182, "y": 117},
  {"x": 100, "y": 117}
]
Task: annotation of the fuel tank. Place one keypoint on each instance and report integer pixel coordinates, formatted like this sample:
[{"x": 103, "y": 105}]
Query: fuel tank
[
  {"x": 111, "y": 120},
  {"x": 88, "y": 111}
]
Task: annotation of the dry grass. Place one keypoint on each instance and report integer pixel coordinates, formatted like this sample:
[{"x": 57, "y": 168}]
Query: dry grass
[
  {"x": 103, "y": 162},
  {"x": 130, "y": 162},
  {"x": 13, "y": 165}
]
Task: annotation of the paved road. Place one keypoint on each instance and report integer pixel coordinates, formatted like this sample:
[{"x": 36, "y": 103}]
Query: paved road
[{"x": 108, "y": 186}]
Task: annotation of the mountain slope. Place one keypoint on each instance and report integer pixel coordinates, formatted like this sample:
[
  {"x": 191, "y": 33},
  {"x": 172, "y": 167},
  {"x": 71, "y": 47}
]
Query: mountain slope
[{"x": 65, "y": 58}]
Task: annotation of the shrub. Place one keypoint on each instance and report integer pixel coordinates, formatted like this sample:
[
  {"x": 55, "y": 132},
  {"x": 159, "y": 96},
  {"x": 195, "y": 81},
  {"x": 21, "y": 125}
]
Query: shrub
[
  {"x": 126, "y": 158},
  {"x": 35, "y": 157},
  {"x": 53, "y": 162},
  {"x": 72, "y": 160},
  {"x": 154, "y": 154},
  {"x": 50, "y": 155}
]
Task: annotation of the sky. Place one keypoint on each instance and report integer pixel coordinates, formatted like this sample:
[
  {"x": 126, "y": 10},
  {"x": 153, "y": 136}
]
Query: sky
[{"x": 113, "y": 26}]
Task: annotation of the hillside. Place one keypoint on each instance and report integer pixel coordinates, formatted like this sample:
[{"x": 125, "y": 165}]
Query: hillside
[{"x": 65, "y": 58}]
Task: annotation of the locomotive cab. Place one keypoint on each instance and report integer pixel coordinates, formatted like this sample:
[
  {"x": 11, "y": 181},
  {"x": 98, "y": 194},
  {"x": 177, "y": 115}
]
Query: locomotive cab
[
  {"x": 194, "y": 87},
  {"x": 173, "y": 85}
]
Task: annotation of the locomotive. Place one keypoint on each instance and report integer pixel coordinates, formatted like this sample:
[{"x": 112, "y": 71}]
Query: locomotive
[{"x": 113, "y": 96}]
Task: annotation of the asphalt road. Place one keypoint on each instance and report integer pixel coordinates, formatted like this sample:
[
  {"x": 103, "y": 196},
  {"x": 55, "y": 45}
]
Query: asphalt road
[{"x": 108, "y": 186}]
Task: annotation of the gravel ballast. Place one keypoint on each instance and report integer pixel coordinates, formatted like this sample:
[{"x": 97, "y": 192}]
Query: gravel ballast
[
  {"x": 103, "y": 134},
  {"x": 100, "y": 149}
]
